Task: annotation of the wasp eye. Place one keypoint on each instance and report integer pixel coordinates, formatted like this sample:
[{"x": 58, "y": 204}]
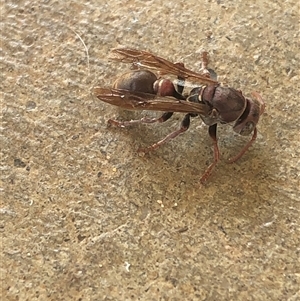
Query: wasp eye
[{"x": 247, "y": 129}]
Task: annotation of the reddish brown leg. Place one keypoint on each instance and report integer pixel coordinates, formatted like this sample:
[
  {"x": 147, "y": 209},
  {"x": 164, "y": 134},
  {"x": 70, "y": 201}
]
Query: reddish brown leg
[
  {"x": 245, "y": 148},
  {"x": 183, "y": 127},
  {"x": 204, "y": 60},
  {"x": 212, "y": 130},
  {"x": 164, "y": 117},
  {"x": 204, "y": 70},
  {"x": 204, "y": 64}
]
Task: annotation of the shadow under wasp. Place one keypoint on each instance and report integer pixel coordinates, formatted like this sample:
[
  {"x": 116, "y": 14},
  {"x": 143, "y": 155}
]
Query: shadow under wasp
[{"x": 142, "y": 89}]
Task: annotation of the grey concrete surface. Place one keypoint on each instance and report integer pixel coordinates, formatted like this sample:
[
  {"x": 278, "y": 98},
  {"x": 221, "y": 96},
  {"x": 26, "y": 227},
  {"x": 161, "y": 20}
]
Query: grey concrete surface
[{"x": 84, "y": 217}]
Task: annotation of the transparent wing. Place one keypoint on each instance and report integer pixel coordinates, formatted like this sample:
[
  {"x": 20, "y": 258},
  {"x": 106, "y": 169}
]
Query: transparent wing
[
  {"x": 142, "y": 101},
  {"x": 148, "y": 60}
]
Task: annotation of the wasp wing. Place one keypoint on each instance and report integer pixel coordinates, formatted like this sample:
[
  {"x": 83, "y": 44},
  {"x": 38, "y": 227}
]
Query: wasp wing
[
  {"x": 148, "y": 60},
  {"x": 143, "y": 101}
]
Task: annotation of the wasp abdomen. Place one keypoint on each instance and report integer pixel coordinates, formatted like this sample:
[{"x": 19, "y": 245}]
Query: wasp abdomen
[{"x": 136, "y": 81}]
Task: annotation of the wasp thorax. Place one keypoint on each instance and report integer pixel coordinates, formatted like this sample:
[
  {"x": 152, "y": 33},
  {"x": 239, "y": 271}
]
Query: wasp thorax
[{"x": 230, "y": 103}]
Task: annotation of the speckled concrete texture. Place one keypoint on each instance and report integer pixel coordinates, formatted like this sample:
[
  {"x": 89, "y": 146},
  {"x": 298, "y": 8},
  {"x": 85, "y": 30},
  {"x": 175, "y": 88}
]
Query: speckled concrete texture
[{"x": 84, "y": 217}]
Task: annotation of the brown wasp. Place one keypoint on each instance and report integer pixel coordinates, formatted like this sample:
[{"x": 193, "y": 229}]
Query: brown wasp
[{"x": 142, "y": 89}]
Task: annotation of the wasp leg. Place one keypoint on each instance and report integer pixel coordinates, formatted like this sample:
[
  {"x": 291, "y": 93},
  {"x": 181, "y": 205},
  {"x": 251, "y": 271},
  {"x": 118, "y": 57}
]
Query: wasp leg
[
  {"x": 164, "y": 117},
  {"x": 183, "y": 127},
  {"x": 212, "y": 130},
  {"x": 210, "y": 73},
  {"x": 244, "y": 149}
]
